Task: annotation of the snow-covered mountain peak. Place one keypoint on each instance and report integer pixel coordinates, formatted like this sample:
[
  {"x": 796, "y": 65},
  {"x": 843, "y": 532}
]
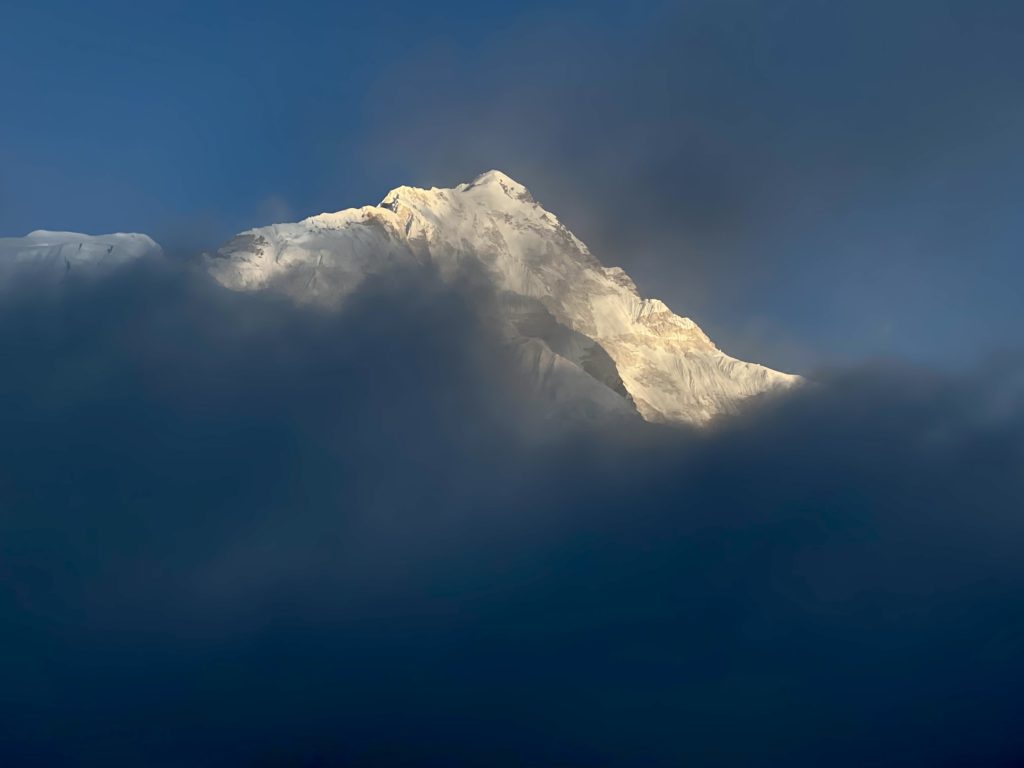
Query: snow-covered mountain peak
[
  {"x": 584, "y": 332},
  {"x": 496, "y": 180},
  {"x": 493, "y": 190},
  {"x": 493, "y": 176}
]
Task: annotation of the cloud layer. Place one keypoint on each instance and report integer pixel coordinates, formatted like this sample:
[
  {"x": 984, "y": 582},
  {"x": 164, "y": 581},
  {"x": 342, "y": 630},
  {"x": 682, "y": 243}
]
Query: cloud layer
[{"x": 234, "y": 532}]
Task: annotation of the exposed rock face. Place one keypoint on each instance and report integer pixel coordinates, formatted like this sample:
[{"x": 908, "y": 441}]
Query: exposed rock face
[{"x": 584, "y": 331}]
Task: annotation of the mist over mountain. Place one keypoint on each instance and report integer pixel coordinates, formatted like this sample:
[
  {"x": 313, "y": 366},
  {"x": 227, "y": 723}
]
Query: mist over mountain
[
  {"x": 239, "y": 529},
  {"x": 591, "y": 346}
]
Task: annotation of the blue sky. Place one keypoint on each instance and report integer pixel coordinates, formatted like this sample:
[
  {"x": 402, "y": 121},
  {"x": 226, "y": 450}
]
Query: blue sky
[{"x": 815, "y": 183}]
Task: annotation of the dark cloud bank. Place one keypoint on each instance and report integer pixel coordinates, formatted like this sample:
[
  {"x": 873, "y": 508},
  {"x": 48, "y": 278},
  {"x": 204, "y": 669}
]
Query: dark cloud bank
[{"x": 237, "y": 533}]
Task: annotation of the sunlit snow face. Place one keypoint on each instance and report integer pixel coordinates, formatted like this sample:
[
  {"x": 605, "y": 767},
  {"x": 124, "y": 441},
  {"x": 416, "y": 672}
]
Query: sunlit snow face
[{"x": 543, "y": 282}]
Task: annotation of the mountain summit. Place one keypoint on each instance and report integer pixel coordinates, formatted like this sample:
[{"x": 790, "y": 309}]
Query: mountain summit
[{"x": 586, "y": 337}]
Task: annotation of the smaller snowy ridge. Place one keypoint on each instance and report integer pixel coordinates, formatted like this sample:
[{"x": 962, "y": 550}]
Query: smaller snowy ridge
[{"x": 58, "y": 253}]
